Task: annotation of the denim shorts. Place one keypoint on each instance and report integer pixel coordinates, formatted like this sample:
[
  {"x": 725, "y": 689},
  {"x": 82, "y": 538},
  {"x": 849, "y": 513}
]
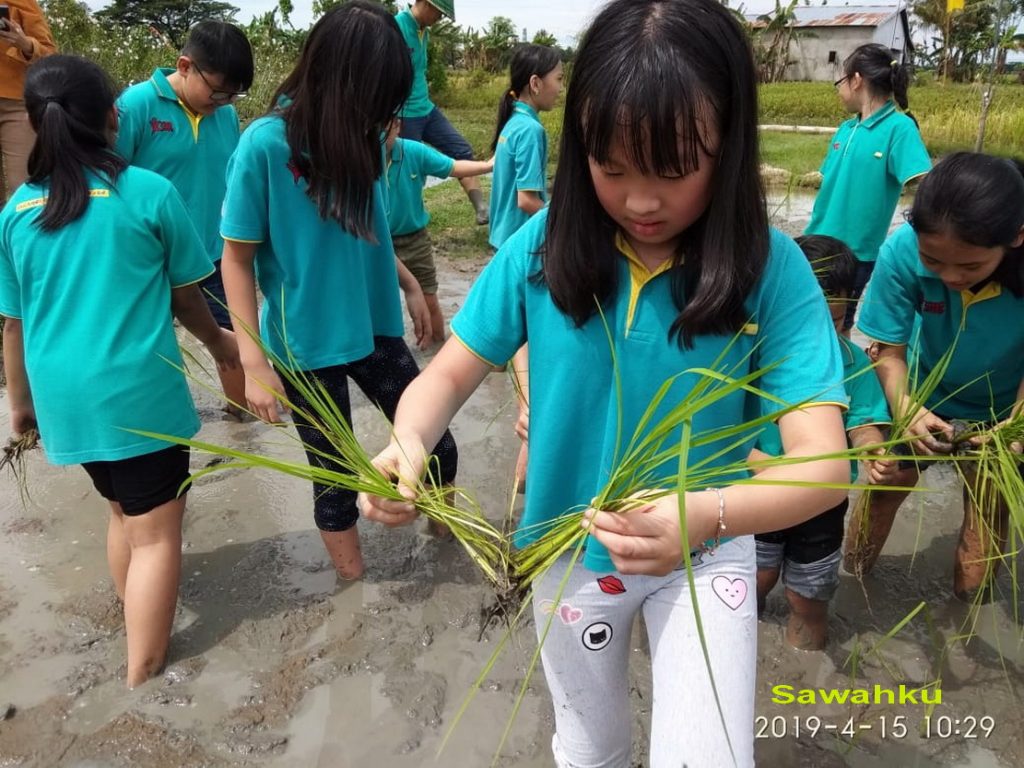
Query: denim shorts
[
  {"x": 435, "y": 130},
  {"x": 808, "y": 554}
]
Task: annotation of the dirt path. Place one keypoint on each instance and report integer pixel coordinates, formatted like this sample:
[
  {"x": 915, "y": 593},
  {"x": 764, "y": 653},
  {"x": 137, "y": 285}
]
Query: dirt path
[{"x": 275, "y": 664}]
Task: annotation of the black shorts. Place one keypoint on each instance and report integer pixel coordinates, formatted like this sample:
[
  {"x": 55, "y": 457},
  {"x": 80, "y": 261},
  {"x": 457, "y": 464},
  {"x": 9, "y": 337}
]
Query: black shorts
[
  {"x": 144, "y": 482},
  {"x": 212, "y": 287}
]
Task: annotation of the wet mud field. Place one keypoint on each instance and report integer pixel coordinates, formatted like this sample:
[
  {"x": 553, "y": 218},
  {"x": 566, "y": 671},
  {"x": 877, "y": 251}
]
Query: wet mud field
[{"x": 275, "y": 663}]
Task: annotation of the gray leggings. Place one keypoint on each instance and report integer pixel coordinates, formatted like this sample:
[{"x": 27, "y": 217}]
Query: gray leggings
[{"x": 586, "y": 660}]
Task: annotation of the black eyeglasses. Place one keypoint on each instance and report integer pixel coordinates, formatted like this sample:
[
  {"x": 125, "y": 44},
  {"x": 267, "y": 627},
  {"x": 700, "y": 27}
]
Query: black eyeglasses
[
  {"x": 840, "y": 81},
  {"x": 224, "y": 97}
]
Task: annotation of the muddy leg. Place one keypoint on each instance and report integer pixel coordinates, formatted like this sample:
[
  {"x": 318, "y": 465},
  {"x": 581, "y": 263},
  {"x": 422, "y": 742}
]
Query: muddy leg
[
  {"x": 980, "y": 545},
  {"x": 870, "y": 523},
  {"x": 119, "y": 554},
  {"x": 766, "y": 580},
  {"x": 343, "y": 548},
  {"x": 437, "y": 330},
  {"x": 807, "y": 628},
  {"x": 151, "y": 587}
]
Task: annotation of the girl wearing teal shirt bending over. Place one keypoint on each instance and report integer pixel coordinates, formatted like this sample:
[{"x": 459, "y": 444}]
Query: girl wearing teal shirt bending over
[
  {"x": 658, "y": 218},
  {"x": 305, "y": 214},
  {"x": 83, "y": 223},
  {"x": 871, "y": 158},
  {"x": 956, "y": 271}
]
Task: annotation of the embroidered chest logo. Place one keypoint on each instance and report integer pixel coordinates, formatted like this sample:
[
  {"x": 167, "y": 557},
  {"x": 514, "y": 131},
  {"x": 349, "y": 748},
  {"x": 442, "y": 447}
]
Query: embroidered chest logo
[
  {"x": 160, "y": 126},
  {"x": 933, "y": 307},
  {"x": 836, "y": 145}
]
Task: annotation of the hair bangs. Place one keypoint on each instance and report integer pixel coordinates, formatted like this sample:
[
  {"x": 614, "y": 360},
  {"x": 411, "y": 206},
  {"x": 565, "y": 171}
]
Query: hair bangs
[{"x": 662, "y": 130}]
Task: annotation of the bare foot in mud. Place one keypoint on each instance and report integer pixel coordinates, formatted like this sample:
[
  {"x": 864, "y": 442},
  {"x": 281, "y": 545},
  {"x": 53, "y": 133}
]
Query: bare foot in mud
[{"x": 345, "y": 552}]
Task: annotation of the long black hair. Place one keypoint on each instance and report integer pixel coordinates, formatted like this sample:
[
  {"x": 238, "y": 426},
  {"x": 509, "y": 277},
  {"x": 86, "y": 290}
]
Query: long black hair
[
  {"x": 69, "y": 102},
  {"x": 882, "y": 70},
  {"x": 979, "y": 199},
  {"x": 527, "y": 61},
  {"x": 657, "y": 75},
  {"x": 351, "y": 78}
]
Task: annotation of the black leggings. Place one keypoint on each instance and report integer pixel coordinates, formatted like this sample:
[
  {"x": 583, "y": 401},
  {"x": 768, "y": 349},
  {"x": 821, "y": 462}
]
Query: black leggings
[{"x": 383, "y": 377}]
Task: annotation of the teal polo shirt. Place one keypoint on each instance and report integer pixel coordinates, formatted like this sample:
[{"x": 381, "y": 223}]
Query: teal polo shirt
[
  {"x": 158, "y": 132},
  {"x": 418, "y": 40},
  {"x": 867, "y": 404},
  {"x": 520, "y": 165},
  {"x": 988, "y": 363},
  {"x": 575, "y": 441},
  {"x": 326, "y": 293},
  {"x": 867, "y": 165},
  {"x": 409, "y": 164},
  {"x": 94, "y": 298}
]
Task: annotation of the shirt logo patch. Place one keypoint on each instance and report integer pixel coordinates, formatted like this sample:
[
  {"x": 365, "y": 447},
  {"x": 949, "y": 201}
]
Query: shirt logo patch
[
  {"x": 933, "y": 307},
  {"x": 160, "y": 126},
  {"x": 293, "y": 167},
  {"x": 836, "y": 145}
]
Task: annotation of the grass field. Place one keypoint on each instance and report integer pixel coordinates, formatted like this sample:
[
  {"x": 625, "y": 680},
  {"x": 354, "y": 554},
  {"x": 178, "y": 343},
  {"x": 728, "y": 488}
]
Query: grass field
[{"x": 948, "y": 115}]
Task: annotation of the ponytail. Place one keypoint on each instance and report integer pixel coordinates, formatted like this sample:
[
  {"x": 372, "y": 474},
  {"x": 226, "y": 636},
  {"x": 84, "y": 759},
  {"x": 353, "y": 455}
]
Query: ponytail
[
  {"x": 527, "y": 61},
  {"x": 69, "y": 100},
  {"x": 882, "y": 71},
  {"x": 505, "y": 109}
]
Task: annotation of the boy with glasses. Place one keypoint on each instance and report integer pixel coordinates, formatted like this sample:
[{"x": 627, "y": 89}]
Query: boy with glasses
[{"x": 181, "y": 124}]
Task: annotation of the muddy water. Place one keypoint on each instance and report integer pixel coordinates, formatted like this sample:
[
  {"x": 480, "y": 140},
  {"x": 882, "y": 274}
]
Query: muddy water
[{"x": 274, "y": 663}]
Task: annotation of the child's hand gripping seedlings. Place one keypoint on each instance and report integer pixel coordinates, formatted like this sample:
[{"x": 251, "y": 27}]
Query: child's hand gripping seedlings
[
  {"x": 645, "y": 539},
  {"x": 403, "y": 461}
]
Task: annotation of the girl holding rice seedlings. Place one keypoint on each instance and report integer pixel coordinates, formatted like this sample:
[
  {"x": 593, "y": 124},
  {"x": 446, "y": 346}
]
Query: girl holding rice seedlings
[
  {"x": 84, "y": 222},
  {"x": 956, "y": 270},
  {"x": 654, "y": 259},
  {"x": 305, "y": 210},
  {"x": 871, "y": 158}
]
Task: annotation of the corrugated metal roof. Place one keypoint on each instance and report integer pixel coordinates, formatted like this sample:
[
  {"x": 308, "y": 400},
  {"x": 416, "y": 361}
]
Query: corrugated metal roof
[{"x": 840, "y": 15}]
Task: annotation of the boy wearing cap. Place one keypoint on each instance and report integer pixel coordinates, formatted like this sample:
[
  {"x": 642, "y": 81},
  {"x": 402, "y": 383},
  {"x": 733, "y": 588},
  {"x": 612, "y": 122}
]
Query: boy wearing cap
[
  {"x": 421, "y": 119},
  {"x": 181, "y": 124}
]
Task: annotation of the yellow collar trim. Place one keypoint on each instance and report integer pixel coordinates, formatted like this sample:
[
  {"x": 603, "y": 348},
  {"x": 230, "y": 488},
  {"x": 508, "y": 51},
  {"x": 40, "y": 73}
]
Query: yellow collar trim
[
  {"x": 990, "y": 290},
  {"x": 193, "y": 119},
  {"x": 639, "y": 275}
]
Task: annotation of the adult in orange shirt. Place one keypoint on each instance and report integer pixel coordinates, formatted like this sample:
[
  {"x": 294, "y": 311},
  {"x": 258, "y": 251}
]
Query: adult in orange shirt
[{"x": 24, "y": 37}]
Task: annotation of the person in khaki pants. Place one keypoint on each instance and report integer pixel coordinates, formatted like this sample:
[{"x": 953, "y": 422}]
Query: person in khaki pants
[{"x": 24, "y": 37}]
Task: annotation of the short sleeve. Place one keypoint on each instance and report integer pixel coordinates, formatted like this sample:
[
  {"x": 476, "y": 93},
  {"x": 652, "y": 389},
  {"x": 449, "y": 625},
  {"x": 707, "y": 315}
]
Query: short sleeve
[
  {"x": 433, "y": 162},
  {"x": 891, "y": 299},
  {"x": 867, "y": 400},
  {"x": 908, "y": 157},
  {"x": 246, "y": 214},
  {"x": 128, "y": 125},
  {"x": 529, "y": 159},
  {"x": 492, "y": 322},
  {"x": 187, "y": 260},
  {"x": 795, "y": 332},
  {"x": 826, "y": 162},
  {"x": 10, "y": 286}
]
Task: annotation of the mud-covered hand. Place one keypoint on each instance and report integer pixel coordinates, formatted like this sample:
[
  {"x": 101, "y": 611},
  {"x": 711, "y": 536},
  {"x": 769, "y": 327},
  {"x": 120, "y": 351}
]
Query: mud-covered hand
[
  {"x": 403, "y": 461},
  {"x": 23, "y": 418},
  {"x": 646, "y": 540},
  {"x": 224, "y": 350},
  {"x": 986, "y": 437},
  {"x": 261, "y": 382},
  {"x": 925, "y": 428}
]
